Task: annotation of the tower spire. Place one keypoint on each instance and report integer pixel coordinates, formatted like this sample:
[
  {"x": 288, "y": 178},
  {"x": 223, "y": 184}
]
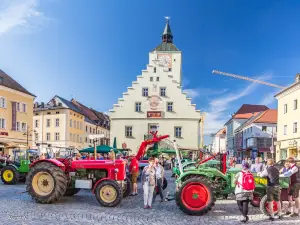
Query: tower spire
[{"x": 167, "y": 34}]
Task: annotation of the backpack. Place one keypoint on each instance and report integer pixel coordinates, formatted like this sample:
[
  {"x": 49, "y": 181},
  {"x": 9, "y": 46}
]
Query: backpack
[
  {"x": 248, "y": 182},
  {"x": 298, "y": 173}
]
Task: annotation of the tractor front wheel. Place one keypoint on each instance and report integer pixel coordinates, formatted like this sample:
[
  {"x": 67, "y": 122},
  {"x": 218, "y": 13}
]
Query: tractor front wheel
[
  {"x": 195, "y": 196},
  {"x": 264, "y": 206},
  {"x": 109, "y": 193},
  {"x": 71, "y": 191},
  {"x": 9, "y": 175},
  {"x": 46, "y": 183}
]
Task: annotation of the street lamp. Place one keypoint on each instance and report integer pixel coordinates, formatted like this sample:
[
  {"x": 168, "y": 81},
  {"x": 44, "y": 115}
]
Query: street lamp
[
  {"x": 94, "y": 138},
  {"x": 28, "y": 133}
]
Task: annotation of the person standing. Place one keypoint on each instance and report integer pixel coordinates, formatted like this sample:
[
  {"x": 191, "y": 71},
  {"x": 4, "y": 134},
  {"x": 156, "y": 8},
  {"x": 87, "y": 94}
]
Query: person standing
[
  {"x": 159, "y": 179},
  {"x": 273, "y": 187},
  {"x": 149, "y": 183},
  {"x": 257, "y": 167},
  {"x": 244, "y": 161},
  {"x": 244, "y": 190},
  {"x": 134, "y": 171},
  {"x": 294, "y": 187}
]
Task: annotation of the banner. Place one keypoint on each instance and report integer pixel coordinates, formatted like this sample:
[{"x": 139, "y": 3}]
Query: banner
[{"x": 14, "y": 116}]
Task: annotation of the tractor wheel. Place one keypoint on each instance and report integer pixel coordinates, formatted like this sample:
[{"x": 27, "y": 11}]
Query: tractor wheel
[
  {"x": 264, "y": 206},
  {"x": 9, "y": 175},
  {"x": 127, "y": 188},
  {"x": 109, "y": 193},
  {"x": 46, "y": 183},
  {"x": 195, "y": 196},
  {"x": 71, "y": 191}
]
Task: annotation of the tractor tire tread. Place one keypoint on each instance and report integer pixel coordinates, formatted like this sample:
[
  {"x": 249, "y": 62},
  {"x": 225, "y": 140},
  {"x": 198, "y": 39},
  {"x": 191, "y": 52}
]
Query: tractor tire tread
[
  {"x": 60, "y": 181},
  {"x": 118, "y": 189}
]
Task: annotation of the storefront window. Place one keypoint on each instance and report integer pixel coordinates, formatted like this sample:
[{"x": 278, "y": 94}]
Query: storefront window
[{"x": 283, "y": 153}]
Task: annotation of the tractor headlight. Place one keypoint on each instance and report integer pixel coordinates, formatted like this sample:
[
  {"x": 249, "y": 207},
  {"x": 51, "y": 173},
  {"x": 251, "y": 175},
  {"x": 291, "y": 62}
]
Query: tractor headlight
[{"x": 116, "y": 170}]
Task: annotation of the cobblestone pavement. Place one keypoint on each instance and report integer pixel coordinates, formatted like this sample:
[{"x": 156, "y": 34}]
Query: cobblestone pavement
[{"x": 17, "y": 208}]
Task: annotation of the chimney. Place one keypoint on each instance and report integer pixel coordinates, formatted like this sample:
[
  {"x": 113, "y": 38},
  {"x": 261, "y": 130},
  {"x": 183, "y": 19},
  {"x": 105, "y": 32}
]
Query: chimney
[
  {"x": 36, "y": 105},
  {"x": 297, "y": 77},
  {"x": 42, "y": 105}
]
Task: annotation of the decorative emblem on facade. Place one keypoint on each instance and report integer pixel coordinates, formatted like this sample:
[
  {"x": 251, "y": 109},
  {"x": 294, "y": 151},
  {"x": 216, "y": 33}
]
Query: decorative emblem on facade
[
  {"x": 154, "y": 87},
  {"x": 154, "y": 102}
]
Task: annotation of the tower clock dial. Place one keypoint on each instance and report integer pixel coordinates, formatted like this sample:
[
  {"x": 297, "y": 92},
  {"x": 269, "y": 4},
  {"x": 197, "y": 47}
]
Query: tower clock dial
[{"x": 165, "y": 60}]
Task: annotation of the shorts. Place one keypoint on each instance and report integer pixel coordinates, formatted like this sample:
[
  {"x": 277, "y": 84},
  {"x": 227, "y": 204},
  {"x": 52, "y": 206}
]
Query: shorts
[
  {"x": 273, "y": 193},
  {"x": 134, "y": 177},
  {"x": 294, "y": 190}
]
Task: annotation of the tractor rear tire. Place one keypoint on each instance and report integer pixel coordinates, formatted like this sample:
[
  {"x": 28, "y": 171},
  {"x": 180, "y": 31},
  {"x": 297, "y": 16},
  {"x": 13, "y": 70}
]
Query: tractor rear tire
[
  {"x": 10, "y": 175},
  {"x": 127, "y": 188},
  {"x": 71, "y": 191},
  {"x": 109, "y": 193},
  {"x": 195, "y": 196},
  {"x": 46, "y": 183},
  {"x": 264, "y": 206}
]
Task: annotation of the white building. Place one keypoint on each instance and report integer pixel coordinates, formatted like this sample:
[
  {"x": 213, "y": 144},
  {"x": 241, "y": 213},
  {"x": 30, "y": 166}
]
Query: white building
[
  {"x": 288, "y": 142},
  {"x": 219, "y": 141},
  {"x": 156, "y": 99}
]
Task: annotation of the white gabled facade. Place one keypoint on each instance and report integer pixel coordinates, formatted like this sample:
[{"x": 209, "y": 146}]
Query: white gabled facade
[{"x": 156, "y": 99}]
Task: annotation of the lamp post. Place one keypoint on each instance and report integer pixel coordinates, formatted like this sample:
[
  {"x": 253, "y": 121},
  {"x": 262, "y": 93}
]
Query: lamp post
[
  {"x": 28, "y": 133},
  {"x": 94, "y": 138}
]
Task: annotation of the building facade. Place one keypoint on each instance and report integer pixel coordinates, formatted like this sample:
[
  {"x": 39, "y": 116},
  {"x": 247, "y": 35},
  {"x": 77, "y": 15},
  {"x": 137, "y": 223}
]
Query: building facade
[
  {"x": 257, "y": 135},
  {"x": 61, "y": 125},
  {"x": 237, "y": 119},
  {"x": 156, "y": 100},
  {"x": 219, "y": 142},
  {"x": 16, "y": 112},
  {"x": 288, "y": 139}
]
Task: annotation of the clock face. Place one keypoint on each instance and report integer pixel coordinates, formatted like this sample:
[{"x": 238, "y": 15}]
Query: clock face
[{"x": 165, "y": 60}]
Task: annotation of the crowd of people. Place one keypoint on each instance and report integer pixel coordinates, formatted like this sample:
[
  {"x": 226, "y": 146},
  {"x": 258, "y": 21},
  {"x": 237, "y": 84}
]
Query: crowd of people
[{"x": 244, "y": 194}]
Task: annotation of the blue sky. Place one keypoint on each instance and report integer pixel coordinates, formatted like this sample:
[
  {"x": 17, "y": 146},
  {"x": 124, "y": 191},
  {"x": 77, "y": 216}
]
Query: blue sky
[{"x": 93, "y": 50}]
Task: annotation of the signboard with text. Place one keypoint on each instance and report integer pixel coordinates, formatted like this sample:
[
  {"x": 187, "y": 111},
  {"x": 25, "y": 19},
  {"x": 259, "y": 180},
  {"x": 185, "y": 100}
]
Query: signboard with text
[
  {"x": 3, "y": 134},
  {"x": 154, "y": 114}
]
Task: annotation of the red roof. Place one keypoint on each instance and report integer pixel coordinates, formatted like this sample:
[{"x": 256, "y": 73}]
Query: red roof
[
  {"x": 247, "y": 111},
  {"x": 269, "y": 116},
  {"x": 85, "y": 110}
]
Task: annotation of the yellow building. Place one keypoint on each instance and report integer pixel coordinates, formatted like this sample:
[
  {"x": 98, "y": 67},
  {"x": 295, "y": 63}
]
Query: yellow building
[
  {"x": 16, "y": 112},
  {"x": 288, "y": 135}
]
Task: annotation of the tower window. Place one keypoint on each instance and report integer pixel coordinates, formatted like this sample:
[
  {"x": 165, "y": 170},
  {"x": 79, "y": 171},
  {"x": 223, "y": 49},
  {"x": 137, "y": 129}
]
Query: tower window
[
  {"x": 154, "y": 69},
  {"x": 170, "y": 69},
  {"x": 151, "y": 78},
  {"x": 163, "y": 92},
  {"x": 174, "y": 60},
  {"x": 157, "y": 78},
  {"x": 170, "y": 106}
]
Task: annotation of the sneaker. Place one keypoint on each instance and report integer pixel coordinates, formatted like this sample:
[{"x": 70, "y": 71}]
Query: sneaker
[
  {"x": 132, "y": 194},
  {"x": 271, "y": 218},
  {"x": 145, "y": 206},
  {"x": 288, "y": 213},
  {"x": 295, "y": 215},
  {"x": 149, "y": 207},
  {"x": 280, "y": 217},
  {"x": 135, "y": 194}
]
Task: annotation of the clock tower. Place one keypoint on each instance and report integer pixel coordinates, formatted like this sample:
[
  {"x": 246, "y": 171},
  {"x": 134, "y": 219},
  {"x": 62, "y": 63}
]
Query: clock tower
[{"x": 167, "y": 55}]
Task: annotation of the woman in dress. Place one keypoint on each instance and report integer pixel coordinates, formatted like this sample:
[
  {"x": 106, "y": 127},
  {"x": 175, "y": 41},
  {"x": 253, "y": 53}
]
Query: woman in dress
[{"x": 149, "y": 183}]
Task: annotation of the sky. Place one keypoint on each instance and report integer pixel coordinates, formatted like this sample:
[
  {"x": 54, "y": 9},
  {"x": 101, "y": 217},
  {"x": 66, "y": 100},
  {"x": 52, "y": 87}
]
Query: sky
[{"x": 93, "y": 50}]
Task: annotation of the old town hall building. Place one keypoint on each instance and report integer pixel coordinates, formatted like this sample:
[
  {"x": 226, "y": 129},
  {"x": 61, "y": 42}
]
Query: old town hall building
[{"x": 156, "y": 100}]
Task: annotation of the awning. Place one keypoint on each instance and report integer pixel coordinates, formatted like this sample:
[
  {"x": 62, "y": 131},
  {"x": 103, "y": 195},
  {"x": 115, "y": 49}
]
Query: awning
[
  {"x": 99, "y": 148},
  {"x": 264, "y": 150}
]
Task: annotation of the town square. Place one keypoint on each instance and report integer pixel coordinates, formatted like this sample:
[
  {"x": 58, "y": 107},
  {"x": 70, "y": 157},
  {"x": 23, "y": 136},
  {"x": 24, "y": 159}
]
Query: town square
[{"x": 113, "y": 114}]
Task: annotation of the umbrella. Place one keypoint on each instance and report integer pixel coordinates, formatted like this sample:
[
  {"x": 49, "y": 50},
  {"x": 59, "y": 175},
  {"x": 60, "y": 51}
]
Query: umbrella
[
  {"x": 115, "y": 143},
  {"x": 99, "y": 148}
]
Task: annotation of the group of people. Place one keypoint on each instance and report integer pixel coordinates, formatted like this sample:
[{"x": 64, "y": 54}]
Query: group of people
[
  {"x": 152, "y": 179},
  {"x": 244, "y": 195}
]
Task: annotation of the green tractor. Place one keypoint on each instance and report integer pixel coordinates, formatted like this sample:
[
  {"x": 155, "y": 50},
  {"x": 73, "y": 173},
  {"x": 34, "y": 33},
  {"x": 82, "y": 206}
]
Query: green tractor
[
  {"x": 17, "y": 168},
  {"x": 198, "y": 188}
]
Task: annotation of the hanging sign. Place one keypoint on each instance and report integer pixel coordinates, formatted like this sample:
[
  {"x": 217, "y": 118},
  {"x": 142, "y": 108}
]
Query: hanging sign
[
  {"x": 14, "y": 116},
  {"x": 154, "y": 114}
]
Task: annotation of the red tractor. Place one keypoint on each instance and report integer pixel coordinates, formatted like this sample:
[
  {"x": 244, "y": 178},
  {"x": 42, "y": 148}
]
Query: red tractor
[{"x": 50, "y": 179}]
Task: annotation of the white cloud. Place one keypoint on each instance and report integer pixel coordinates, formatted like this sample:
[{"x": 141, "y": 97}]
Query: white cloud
[
  {"x": 194, "y": 93},
  {"x": 19, "y": 14},
  {"x": 268, "y": 99},
  {"x": 217, "y": 114}
]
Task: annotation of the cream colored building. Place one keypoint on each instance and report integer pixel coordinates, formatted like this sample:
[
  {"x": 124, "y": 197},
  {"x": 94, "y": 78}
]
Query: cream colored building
[
  {"x": 58, "y": 125},
  {"x": 288, "y": 134},
  {"x": 156, "y": 99},
  {"x": 16, "y": 112}
]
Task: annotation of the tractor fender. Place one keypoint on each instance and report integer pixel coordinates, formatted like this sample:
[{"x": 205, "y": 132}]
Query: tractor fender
[
  {"x": 53, "y": 161},
  {"x": 106, "y": 178},
  {"x": 185, "y": 174},
  {"x": 13, "y": 165}
]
